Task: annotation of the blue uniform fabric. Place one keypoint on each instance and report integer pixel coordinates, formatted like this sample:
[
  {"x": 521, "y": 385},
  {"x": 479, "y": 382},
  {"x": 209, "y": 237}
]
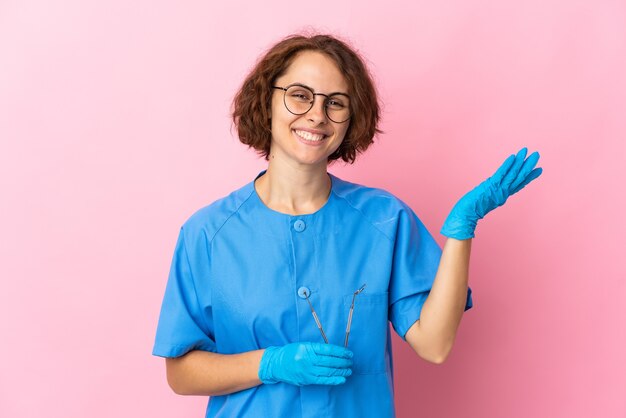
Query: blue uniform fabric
[{"x": 238, "y": 279}]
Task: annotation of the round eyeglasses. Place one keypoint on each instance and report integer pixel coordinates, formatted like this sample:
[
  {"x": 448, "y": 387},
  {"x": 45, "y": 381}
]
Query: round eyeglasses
[{"x": 299, "y": 99}]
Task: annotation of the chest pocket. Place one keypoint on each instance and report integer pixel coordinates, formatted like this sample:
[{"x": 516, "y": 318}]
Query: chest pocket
[{"x": 368, "y": 332}]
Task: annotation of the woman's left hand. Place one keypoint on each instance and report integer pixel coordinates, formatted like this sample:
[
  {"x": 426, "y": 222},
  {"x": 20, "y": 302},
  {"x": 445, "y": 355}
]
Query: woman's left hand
[{"x": 515, "y": 173}]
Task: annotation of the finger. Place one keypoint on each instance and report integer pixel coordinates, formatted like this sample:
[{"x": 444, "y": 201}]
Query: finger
[
  {"x": 527, "y": 167},
  {"x": 504, "y": 168},
  {"x": 330, "y": 361},
  {"x": 331, "y": 350},
  {"x": 330, "y": 372},
  {"x": 337, "y": 380},
  {"x": 514, "y": 171},
  {"x": 533, "y": 175}
]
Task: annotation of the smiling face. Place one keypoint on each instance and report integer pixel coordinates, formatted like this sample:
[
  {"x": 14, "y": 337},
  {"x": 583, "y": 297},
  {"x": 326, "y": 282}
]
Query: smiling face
[{"x": 308, "y": 139}]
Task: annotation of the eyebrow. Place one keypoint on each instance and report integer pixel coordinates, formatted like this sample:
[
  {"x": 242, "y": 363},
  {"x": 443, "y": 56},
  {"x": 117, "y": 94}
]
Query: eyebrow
[{"x": 313, "y": 90}]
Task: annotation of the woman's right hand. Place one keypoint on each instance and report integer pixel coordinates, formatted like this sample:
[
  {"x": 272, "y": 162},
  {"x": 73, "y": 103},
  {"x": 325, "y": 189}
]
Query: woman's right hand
[{"x": 306, "y": 364}]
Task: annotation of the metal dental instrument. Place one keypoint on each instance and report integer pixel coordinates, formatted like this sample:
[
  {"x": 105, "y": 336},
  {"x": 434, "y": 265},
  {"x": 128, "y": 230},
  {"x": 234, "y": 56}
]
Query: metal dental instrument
[
  {"x": 345, "y": 343},
  {"x": 319, "y": 324},
  {"x": 317, "y": 321}
]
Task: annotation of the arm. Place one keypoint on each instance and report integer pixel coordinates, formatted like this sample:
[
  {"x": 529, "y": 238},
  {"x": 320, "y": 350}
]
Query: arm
[
  {"x": 210, "y": 374},
  {"x": 206, "y": 373},
  {"x": 433, "y": 335}
]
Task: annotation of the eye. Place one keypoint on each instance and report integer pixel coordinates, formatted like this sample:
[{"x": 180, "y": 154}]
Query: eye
[
  {"x": 335, "y": 103},
  {"x": 300, "y": 95}
]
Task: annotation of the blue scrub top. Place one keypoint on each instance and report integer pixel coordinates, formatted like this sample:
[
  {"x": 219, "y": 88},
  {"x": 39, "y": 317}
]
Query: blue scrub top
[{"x": 237, "y": 283}]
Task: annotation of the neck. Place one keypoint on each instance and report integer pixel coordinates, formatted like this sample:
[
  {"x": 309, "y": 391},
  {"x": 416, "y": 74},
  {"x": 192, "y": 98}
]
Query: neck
[{"x": 295, "y": 191}]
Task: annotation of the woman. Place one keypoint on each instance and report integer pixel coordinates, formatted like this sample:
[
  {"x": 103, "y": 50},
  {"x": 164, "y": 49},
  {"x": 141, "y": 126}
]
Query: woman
[{"x": 266, "y": 282}]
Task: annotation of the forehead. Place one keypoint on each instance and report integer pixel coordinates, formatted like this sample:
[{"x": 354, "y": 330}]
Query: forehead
[{"x": 315, "y": 70}]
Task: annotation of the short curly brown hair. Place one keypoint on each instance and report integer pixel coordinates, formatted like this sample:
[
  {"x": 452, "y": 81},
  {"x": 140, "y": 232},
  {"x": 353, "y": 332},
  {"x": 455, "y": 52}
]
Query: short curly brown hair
[{"x": 252, "y": 103}]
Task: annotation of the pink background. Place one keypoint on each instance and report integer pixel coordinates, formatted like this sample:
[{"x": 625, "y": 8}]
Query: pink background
[{"x": 114, "y": 128}]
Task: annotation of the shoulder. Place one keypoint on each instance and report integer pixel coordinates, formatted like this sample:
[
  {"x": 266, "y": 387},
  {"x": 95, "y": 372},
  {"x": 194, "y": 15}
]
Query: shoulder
[
  {"x": 378, "y": 206},
  {"x": 208, "y": 220}
]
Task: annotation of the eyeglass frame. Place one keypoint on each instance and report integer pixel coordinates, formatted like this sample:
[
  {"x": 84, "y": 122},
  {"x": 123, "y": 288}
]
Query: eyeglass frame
[{"x": 327, "y": 96}]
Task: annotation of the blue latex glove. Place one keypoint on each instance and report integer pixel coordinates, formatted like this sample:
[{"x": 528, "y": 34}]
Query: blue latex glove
[
  {"x": 515, "y": 173},
  {"x": 306, "y": 364}
]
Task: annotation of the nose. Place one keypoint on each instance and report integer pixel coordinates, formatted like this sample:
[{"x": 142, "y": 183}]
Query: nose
[{"x": 317, "y": 113}]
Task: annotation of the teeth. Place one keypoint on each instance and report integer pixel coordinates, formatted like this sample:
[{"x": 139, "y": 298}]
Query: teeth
[{"x": 309, "y": 136}]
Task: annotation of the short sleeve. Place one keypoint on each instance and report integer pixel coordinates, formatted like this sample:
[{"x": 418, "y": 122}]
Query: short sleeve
[
  {"x": 184, "y": 324},
  {"x": 415, "y": 263}
]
